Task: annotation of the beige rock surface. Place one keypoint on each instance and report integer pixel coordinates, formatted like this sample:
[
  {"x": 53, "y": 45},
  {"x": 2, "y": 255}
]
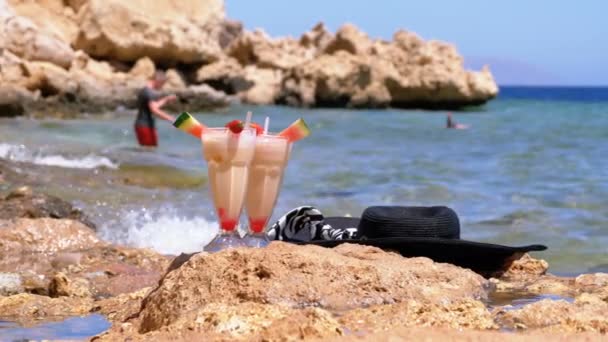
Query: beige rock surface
[
  {"x": 257, "y": 48},
  {"x": 353, "y": 276},
  {"x": 55, "y": 17},
  {"x": 44, "y": 235},
  {"x": 226, "y": 75},
  {"x": 463, "y": 335},
  {"x": 350, "y": 39},
  {"x": 26, "y": 39},
  {"x": 266, "y": 85},
  {"x": 456, "y": 314},
  {"x": 165, "y": 31},
  {"x": 28, "y": 308},
  {"x": 317, "y": 38},
  {"x": 586, "y": 314}
]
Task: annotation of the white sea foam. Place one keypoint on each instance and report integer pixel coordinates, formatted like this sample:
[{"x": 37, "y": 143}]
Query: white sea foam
[
  {"x": 166, "y": 233},
  {"x": 20, "y": 153}
]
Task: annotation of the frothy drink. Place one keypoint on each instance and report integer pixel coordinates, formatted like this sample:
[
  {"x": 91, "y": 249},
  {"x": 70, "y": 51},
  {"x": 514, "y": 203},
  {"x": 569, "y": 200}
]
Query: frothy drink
[
  {"x": 228, "y": 157},
  {"x": 265, "y": 178}
]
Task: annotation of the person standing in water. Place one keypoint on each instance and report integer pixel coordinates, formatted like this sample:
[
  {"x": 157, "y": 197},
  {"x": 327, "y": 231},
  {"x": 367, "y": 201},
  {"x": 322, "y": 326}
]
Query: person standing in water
[
  {"x": 149, "y": 103},
  {"x": 452, "y": 124}
]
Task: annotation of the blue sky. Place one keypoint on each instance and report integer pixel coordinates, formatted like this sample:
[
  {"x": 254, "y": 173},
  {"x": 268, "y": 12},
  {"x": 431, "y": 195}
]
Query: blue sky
[{"x": 525, "y": 42}]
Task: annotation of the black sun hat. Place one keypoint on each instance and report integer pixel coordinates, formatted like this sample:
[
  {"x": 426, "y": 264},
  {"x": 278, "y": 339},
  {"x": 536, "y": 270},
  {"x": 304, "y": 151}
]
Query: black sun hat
[{"x": 432, "y": 232}]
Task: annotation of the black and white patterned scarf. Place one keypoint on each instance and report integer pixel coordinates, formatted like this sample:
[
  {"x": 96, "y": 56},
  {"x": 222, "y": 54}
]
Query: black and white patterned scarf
[{"x": 306, "y": 223}]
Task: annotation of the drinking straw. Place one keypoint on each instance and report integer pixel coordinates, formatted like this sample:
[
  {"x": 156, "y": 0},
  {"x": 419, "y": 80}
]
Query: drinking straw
[
  {"x": 248, "y": 120},
  {"x": 266, "y": 123}
]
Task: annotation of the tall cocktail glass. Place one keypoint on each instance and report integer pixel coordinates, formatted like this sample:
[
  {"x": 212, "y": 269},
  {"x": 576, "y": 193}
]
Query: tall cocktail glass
[
  {"x": 265, "y": 179},
  {"x": 228, "y": 157}
]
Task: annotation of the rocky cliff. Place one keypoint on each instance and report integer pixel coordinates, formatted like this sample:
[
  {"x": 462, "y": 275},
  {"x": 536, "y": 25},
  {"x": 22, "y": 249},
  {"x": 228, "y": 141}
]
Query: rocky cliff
[{"x": 95, "y": 54}]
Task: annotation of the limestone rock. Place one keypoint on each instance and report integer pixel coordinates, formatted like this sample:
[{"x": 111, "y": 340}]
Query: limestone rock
[
  {"x": 317, "y": 38},
  {"x": 226, "y": 75},
  {"x": 53, "y": 17},
  {"x": 28, "y": 308},
  {"x": 175, "y": 80},
  {"x": 429, "y": 74},
  {"x": 10, "y": 284},
  {"x": 266, "y": 85},
  {"x": 259, "y": 49},
  {"x": 330, "y": 80},
  {"x": 526, "y": 266},
  {"x": 27, "y": 40},
  {"x": 350, "y": 39},
  {"x": 143, "y": 69},
  {"x": 466, "y": 313},
  {"x": 22, "y": 203},
  {"x": 165, "y": 31},
  {"x": 353, "y": 276},
  {"x": 44, "y": 235},
  {"x": 229, "y": 30},
  {"x": 587, "y": 313},
  {"x": 123, "y": 306},
  {"x": 61, "y": 285},
  {"x": 49, "y": 79},
  {"x": 593, "y": 280},
  {"x": 198, "y": 97},
  {"x": 13, "y": 100}
]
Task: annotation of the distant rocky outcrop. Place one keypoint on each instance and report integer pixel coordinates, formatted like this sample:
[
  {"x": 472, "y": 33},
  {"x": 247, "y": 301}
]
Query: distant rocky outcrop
[
  {"x": 91, "y": 55},
  {"x": 349, "y": 69}
]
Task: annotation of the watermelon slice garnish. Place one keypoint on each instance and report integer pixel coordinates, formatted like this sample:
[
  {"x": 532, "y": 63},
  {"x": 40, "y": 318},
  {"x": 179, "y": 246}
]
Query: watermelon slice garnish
[
  {"x": 258, "y": 129},
  {"x": 236, "y": 126},
  {"x": 296, "y": 131},
  {"x": 189, "y": 124}
]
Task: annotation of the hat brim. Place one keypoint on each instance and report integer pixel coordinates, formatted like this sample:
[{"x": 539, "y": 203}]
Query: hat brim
[{"x": 484, "y": 258}]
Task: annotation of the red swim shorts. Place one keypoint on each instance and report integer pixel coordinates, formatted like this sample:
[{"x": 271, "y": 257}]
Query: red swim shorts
[{"x": 146, "y": 136}]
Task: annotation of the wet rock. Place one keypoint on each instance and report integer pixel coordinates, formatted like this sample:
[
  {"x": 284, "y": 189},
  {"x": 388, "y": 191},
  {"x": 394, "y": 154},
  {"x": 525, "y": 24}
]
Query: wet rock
[
  {"x": 528, "y": 277},
  {"x": 44, "y": 235},
  {"x": 353, "y": 276},
  {"x": 466, "y": 313},
  {"x": 123, "y": 306},
  {"x": 26, "y": 308},
  {"x": 592, "y": 281},
  {"x": 160, "y": 30},
  {"x": 61, "y": 285},
  {"x": 526, "y": 267},
  {"x": 14, "y": 100},
  {"x": 586, "y": 313},
  {"x": 23, "y": 203},
  {"x": 10, "y": 284},
  {"x": 35, "y": 283},
  {"x": 104, "y": 270}
]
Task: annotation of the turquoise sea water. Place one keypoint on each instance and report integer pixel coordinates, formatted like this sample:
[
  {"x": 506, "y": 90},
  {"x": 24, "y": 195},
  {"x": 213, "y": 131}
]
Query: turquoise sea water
[{"x": 532, "y": 168}]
